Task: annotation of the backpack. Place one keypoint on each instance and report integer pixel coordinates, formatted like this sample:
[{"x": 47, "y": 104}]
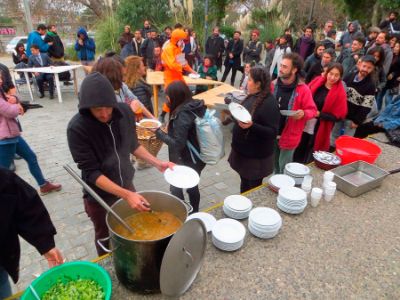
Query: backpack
[
  {"x": 210, "y": 137},
  {"x": 63, "y": 76}
]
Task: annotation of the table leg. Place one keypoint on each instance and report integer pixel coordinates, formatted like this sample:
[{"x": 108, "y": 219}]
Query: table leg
[
  {"x": 58, "y": 87},
  {"x": 155, "y": 96},
  {"x": 209, "y": 87},
  {"x": 29, "y": 86},
  {"x": 75, "y": 83}
]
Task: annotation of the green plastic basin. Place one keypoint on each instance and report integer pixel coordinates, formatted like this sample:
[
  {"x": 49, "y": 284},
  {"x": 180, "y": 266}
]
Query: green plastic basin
[{"x": 67, "y": 272}]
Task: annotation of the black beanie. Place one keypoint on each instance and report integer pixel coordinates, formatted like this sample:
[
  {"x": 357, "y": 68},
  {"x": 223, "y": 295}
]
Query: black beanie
[{"x": 96, "y": 91}]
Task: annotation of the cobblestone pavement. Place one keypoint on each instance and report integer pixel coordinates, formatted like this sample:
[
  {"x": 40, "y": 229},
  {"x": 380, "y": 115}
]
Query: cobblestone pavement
[{"x": 45, "y": 131}]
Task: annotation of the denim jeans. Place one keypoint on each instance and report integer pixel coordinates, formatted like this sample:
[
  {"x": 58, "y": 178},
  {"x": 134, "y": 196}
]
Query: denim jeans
[
  {"x": 7, "y": 152},
  {"x": 5, "y": 287}
]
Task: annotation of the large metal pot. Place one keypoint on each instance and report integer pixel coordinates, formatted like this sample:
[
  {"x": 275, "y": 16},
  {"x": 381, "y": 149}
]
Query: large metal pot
[{"x": 137, "y": 263}]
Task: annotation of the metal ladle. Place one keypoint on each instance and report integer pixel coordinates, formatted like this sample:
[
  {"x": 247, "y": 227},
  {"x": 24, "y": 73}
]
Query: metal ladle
[{"x": 97, "y": 198}]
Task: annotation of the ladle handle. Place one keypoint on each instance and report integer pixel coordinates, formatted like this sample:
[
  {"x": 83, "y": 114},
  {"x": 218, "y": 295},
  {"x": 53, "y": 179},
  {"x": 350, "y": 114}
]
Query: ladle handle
[{"x": 96, "y": 197}]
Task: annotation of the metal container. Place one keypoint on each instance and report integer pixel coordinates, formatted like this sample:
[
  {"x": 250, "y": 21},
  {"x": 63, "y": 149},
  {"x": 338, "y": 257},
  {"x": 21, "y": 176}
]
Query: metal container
[
  {"x": 358, "y": 178},
  {"x": 137, "y": 263}
]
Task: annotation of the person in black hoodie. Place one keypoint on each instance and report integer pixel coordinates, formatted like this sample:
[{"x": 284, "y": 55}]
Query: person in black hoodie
[
  {"x": 56, "y": 49},
  {"x": 252, "y": 154},
  {"x": 22, "y": 213},
  {"x": 101, "y": 138},
  {"x": 232, "y": 60},
  {"x": 181, "y": 129}
]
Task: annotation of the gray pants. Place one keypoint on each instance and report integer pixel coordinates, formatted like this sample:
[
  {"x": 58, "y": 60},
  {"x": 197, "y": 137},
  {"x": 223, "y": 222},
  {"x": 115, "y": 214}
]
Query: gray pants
[
  {"x": 341, "y": 128},
  {"x": 282, "y": 157}
]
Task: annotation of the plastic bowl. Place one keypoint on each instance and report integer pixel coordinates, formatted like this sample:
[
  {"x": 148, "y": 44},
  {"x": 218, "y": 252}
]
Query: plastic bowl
[
  {"x": 351, "y": 149},
  {"x": 67, "y": 272}
]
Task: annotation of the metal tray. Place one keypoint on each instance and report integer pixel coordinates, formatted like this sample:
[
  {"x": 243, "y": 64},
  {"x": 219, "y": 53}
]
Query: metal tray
[{"x": 358, "y": 178}]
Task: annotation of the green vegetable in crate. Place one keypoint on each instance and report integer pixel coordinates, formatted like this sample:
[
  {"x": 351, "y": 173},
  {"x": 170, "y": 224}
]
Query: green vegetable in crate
[{"x": 80, "y": 289}]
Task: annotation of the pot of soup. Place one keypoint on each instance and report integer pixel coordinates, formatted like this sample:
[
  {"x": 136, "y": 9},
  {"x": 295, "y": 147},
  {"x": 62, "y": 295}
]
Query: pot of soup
[{"x": 137, "y": 256}]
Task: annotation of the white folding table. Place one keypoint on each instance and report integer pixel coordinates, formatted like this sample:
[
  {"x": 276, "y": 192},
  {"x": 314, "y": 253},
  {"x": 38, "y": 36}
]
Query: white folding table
[{"x": 56, "y": 70}]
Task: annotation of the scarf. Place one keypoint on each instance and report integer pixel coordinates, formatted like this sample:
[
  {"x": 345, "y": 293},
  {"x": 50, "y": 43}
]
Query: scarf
[{"x": 335, "y": 104}]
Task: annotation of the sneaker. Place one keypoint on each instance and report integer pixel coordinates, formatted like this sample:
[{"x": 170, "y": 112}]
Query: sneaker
[
  {"x": 49, "y": 187},
  {"x": 41, "y": 96},
  {"x": 51, "y": 96}
]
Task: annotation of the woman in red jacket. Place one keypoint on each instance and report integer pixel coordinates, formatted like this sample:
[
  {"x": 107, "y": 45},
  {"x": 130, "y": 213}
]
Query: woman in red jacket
[{"x": 330, "y": 98}]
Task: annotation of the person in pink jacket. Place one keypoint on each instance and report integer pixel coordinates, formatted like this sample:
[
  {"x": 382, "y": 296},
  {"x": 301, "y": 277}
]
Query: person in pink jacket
[
  {"x": 295, "y": 96},
  {"x": 11, "y": 141}
]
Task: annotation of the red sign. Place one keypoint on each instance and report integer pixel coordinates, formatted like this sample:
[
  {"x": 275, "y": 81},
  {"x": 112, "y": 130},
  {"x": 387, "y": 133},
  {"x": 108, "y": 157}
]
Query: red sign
[{"x": 7, "y": 31}]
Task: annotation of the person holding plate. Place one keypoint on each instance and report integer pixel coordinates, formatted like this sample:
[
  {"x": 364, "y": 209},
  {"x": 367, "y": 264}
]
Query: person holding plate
[
  {"x": 181, "y": 130},
  {"x": 252, "y": 154}
]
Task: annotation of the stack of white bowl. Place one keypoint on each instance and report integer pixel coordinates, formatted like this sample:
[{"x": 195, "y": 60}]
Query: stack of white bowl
[
  {"x": 237, "y": 207},
  {"x": 297, "y": 172},
  {"x": 292, "y": 200},
  {"x": 275, "y": 182},
  {"x": 228, "y": 234},
  {"x": 264, "y": 222}
]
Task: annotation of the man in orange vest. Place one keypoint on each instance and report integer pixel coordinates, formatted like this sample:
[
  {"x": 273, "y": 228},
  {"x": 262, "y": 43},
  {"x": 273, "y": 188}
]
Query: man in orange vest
[{"x": 174, "y": 62}]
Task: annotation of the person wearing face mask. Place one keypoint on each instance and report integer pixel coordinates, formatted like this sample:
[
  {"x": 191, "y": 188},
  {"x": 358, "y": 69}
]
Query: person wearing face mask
[
  {"x": 174, "y": 62},
  {"x": 330, "y": 98}
]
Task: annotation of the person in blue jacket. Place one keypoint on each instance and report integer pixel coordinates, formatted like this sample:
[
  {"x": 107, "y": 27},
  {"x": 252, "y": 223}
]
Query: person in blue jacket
[
  {"x": 35, "y": 38},
  {"x": 85, "y": 48}
]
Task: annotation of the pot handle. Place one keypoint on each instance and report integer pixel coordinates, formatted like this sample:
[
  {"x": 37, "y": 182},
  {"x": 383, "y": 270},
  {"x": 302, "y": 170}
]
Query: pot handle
[
  {"x": 394, "y": 171},
  {"x": 188, "y": 206},
  {"x": 102, "y": 246},
  {"x": 189, "y": 255}
]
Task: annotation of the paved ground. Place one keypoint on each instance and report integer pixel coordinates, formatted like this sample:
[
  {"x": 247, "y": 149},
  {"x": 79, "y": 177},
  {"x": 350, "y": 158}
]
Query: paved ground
[{"x": 45, "y": 131}]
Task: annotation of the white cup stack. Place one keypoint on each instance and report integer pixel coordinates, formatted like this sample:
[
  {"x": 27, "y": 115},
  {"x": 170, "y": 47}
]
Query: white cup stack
[
  {"x": 316, "y": 195},
  {"x": 329, "y": 186},
  {"x": 306, "y": 185},
  {"x": 329, "y": 191}
]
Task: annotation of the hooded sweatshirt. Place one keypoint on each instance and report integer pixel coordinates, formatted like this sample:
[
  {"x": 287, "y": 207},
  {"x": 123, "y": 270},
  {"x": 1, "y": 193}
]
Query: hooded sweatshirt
[
  {"x": 85, "y": 52},
  {"x": 57, "y": 49},
  {"x": 173, "y": 59},
  {"x": 102, "y": 148}
]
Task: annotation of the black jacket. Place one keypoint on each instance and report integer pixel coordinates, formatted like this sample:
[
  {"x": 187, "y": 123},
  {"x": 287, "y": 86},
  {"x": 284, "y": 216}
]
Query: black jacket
[
  {"x": 102, "y": 148},
  {"x": 258, "y": 140},
  {"x": 215, "y": 46},
  {"x": 22, "y": 213},
  {"x": 57, "y": 49},
  {"x": 181, "y": 128},
  {"x": 252, "y": 52},
  {"x": 142, "y": 90},
  {"x": 147, "y": 48},
  {"x": 314, "y": 71},
  {"x": 236, "y": 48}
]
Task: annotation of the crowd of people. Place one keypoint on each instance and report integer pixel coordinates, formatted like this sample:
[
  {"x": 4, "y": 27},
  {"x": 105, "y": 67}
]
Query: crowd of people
[{"x": 327, "y": 88}]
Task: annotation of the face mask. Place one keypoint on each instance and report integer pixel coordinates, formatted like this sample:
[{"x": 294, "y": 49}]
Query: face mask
[{"x": 180, "y": 43}]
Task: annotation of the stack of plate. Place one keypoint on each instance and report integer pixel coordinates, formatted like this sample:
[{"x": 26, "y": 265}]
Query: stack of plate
[
  {"x": 264, "y": 222},
  {"x": 280, "y": 181},
  {"x": 292, "y": 200},
  {"x": 297, "y": 171},
  {"x": 228, "y": 234},
  {"x": 237, "y": 207},
  {"x": 207, "y": 219}
]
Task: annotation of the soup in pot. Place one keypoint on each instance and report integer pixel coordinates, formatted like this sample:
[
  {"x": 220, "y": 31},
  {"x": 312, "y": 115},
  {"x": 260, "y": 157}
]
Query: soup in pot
[{"x": 149, "y": 226}]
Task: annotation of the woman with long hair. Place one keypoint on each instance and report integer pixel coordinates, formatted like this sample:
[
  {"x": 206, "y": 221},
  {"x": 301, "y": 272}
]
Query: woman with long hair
[
  {"x": 181, "y": 129},
  {"x": 113, "y": 69},
  {"x": 11, "y": 141},
  {"x": 135, "y": 71},
  {"x": 330, "y": 98},
  {"x": 252, "y": 154}
]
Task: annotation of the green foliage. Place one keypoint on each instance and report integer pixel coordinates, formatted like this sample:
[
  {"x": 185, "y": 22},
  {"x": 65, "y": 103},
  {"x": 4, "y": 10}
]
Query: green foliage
[
  {"x": 227, "y": 30},
  {"x": 5, "y": 20},
  {"x": 390, "y": 4},
  {"x": 269, "y": 21},
  {"x": 108, "y": 31},
  {"x": 70, "y": 53},
  {"x": 135, "y": 12}
]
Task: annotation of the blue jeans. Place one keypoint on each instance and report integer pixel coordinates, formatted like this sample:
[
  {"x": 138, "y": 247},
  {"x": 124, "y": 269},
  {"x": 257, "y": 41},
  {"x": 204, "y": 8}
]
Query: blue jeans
[
  {"x": 7, "y": 152},
  {"x": 5, "y": 287}
]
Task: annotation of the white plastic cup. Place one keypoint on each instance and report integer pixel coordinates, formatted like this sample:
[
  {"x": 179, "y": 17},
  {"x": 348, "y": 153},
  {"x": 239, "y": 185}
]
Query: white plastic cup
[
  {"x": 329, "y": 197},
  {"x": 316, "y": 193},
  {"x": 314, "y": 201},
  {"x": 306, "y": 186},
  {"x": 307, "y": 180},
  {"x": 328, "y": 176}
]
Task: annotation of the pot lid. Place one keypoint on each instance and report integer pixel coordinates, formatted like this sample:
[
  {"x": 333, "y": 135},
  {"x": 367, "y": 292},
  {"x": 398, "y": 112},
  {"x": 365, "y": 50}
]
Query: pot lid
[{"x": 183, "y": 258}]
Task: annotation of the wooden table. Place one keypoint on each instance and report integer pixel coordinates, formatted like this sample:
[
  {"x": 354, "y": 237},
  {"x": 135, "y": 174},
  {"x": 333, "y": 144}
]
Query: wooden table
[
  {"x": 56, "y": 70},
  {"x": 156, "y": 79},
  {"x": 216, "y": 95}
]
